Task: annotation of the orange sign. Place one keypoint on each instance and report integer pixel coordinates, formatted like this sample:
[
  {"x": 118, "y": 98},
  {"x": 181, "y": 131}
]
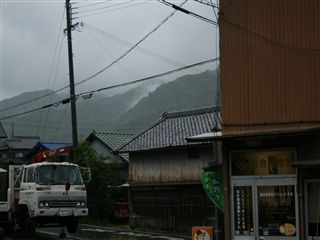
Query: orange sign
[{"x": 202, "y": 233}]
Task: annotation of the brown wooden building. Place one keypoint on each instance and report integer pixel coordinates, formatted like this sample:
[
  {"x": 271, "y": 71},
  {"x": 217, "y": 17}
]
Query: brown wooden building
[
  {"x": 165, "y": 191},
  {"x": 270, "y": 109}
]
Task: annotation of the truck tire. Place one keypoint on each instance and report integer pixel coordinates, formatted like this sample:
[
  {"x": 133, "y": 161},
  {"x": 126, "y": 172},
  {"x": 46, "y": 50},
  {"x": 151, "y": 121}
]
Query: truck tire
[
  {"x": 72, "y": 225},
  {"x": 27, "y": 225}
]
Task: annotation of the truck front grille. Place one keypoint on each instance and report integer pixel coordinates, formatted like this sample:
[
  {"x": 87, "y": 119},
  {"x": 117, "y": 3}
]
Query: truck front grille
[{"x": 62, "y": 204}]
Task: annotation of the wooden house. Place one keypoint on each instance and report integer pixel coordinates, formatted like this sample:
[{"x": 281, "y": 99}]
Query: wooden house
[{"x": 165, "y": 172}]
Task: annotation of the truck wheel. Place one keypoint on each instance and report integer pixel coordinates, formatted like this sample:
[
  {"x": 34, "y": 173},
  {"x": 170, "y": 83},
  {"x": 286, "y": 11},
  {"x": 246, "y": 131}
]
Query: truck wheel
[
  {"x": 72, "y": 225},
  {"x": 28, "y": 225}
]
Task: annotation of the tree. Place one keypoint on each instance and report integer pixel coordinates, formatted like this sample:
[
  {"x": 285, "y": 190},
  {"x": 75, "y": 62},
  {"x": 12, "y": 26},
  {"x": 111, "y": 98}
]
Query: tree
[{"x": 105, "y": 181}]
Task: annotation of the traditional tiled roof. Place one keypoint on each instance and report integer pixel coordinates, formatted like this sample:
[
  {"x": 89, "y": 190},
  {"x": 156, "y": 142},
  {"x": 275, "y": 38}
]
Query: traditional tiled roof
[
  {"x": 2, "y": 132},
  {"x": 112, "y": 140},
  {"x": 173, "y": 128}
]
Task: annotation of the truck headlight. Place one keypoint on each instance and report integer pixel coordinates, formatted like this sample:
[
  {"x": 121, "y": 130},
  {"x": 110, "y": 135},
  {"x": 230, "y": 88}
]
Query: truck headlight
[
  {"x": 81, "y": 204},
  {"x": 44, "y": 204}
]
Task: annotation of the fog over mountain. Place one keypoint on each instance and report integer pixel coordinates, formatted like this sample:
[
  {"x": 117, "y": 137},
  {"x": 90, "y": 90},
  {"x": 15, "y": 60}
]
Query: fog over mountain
[{"x": 129, "y": 111}]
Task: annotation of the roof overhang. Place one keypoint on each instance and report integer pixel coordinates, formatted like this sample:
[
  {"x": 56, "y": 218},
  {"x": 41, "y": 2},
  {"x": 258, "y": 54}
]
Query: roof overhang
[{"x": 236, "y": 135}]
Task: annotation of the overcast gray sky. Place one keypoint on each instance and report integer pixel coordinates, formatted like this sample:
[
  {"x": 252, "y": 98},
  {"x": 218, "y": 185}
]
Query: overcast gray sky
[{"x": 34, "y": 49}]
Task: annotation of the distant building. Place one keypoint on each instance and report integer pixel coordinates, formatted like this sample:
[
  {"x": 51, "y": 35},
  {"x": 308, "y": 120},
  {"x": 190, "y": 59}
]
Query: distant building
[
  {"x": 104, "y": 143},
  {"x": 165, "y": 190},
  {"x": 13, "y": 150}
]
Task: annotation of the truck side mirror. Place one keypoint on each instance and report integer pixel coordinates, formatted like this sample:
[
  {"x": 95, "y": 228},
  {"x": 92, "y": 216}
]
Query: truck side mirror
[{"x": 86, "y": 174}]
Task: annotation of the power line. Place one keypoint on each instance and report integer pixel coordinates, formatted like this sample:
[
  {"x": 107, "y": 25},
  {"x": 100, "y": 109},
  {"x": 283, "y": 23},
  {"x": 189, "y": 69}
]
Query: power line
[
  {"x": 138, "y": 48},
  {"x": 206, "y": 3},
  {"x": 151, "y": 77},
  {"x": 84, "y": 94},
  {"x": 112, "y": 10},
  {"x": 102, "y": 70},
  {"x": 130, "y": 49},
  {"x": 56, "y": 57},
  {"x": 91, "y": 4},
  {"x": 104, "y": 7},
  {"x": 60, "y": 122},
  {"x": 224, "y": 7},
  {"x": 179, "y": 8}
]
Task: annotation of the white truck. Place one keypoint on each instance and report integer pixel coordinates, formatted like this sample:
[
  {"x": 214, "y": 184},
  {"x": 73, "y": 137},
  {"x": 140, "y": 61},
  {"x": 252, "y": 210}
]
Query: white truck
[{"x": 42, "y": 194}]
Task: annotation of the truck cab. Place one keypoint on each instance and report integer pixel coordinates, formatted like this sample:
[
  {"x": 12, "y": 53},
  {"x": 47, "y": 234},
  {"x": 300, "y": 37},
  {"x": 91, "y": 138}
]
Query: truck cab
[{"x": 51, "y": 193}]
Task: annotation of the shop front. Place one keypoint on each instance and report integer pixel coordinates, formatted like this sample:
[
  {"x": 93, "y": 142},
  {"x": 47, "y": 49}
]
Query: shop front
[
  {"x": 263, "y": 189},
  {"x": 271, "y": 184}
]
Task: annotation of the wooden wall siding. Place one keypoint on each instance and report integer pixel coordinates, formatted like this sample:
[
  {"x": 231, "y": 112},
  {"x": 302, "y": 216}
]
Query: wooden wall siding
[
  {"x": 270, "y": 61},
  {"x": 170, "y": 166}
]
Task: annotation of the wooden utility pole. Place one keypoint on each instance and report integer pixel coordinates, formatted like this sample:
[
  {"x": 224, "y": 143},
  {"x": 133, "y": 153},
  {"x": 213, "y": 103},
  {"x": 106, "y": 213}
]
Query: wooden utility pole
[{"x": 71, "y": 76}]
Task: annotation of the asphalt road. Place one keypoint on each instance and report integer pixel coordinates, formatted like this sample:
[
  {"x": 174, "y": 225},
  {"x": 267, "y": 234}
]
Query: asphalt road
[{"x": 89, "y": 232}]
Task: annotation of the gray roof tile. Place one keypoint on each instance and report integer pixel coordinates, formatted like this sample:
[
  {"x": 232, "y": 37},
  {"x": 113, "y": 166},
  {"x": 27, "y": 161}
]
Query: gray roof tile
[{"x": 173, "y": 129}]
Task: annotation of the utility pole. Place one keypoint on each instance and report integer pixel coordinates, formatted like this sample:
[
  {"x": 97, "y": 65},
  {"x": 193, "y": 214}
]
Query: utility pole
[{"x": 71, "y": 76}]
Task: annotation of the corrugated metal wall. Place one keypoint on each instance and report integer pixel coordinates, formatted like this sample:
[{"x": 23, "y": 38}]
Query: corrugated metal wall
[{"x": 270, "y": 63}]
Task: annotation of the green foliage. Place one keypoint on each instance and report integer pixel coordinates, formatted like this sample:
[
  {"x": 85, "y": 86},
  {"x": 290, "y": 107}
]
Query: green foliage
[{"x": 103, "y": 188}]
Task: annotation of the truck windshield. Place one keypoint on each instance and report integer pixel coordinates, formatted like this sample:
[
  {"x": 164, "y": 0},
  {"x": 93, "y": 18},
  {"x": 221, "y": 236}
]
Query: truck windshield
[{"x": 58, "y": 174}]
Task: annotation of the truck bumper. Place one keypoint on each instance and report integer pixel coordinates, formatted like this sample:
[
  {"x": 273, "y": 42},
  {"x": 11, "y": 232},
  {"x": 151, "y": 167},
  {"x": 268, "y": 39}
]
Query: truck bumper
[{"x": 61, "y": 212}]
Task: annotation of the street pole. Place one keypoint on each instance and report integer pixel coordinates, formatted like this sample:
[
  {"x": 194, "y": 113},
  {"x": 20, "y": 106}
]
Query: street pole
[{"x": 71, "y": 76}]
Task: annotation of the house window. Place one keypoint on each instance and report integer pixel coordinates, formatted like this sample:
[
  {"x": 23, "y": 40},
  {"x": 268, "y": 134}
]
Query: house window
[
  {"x": 4, "y": 156},
  {"x": 193, "y": 153},
  {"x": 18, "y": 154}
]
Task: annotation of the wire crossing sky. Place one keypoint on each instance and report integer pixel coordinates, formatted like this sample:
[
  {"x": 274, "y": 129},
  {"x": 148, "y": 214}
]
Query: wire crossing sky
[{"x": 30, "y": 59}]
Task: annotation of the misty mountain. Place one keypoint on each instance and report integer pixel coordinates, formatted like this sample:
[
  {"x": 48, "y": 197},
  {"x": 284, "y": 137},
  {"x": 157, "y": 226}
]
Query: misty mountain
[
  {"x": 129, "y": 111},
  {"x": 186, "y": 92}
]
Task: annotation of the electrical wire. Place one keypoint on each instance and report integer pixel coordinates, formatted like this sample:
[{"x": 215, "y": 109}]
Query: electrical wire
[
  {"x": 60, "y": 122},
  {"x": 224, "y": 7},
  {"x": 179, "y": 8},
  {"x": 130, "y": 49},
  {"x": 138, "y": 48},
  {"x": 102, "y": 70},
  {"x": 206, "y": 3},
  {"x": 104, "y": 7},
  {"x": 111, "y": 10},
  {"x": 214, "y": 11},
  {"x": 109, "y": 54},
  {"x": 91, "y": 4},
  {"x": 53, "y": 74},
  {"x": 67, "y": 100}
]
